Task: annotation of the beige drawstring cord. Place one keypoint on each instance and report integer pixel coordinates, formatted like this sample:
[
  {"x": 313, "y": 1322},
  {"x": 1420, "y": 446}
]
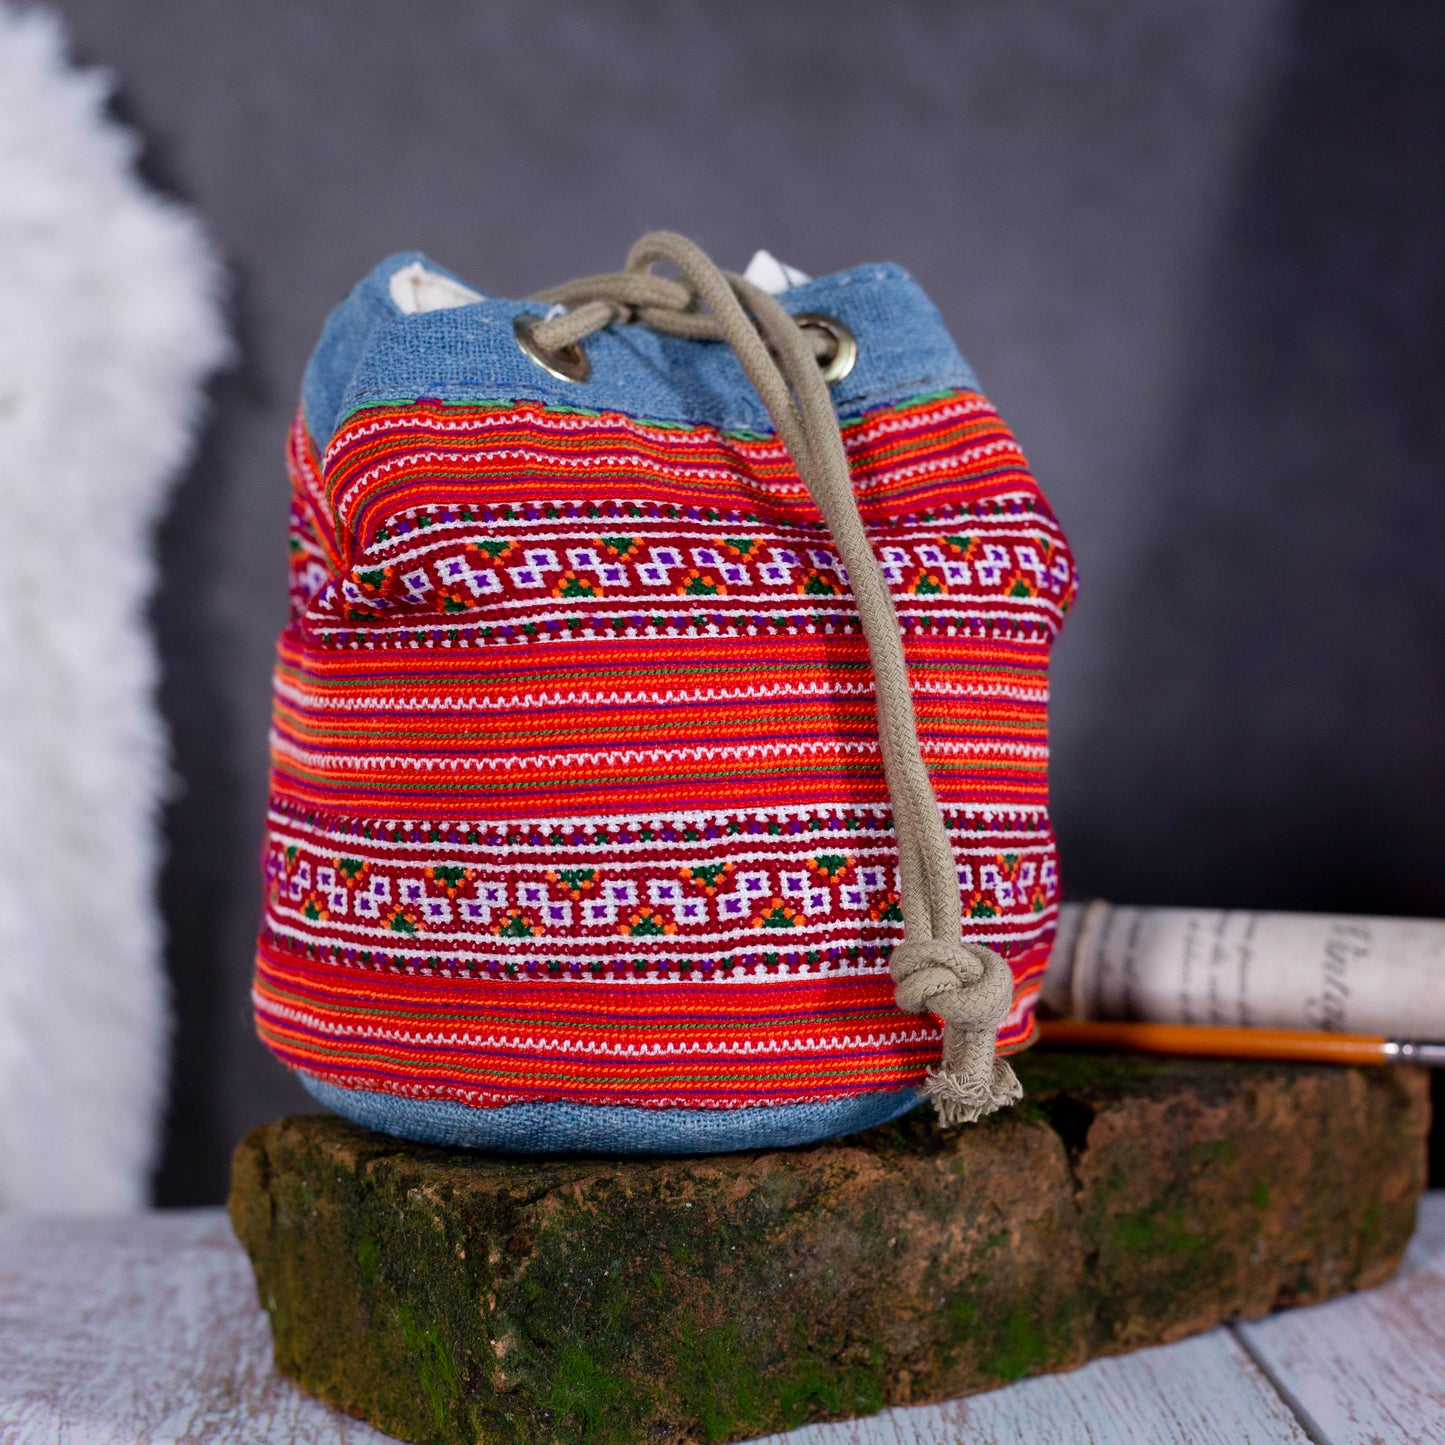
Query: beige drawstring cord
[{"x": 934, "y": 970}]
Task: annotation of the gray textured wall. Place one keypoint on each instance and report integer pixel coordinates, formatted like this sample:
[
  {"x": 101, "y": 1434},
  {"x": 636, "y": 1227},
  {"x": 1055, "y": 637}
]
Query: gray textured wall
[{"x": 1193, "y": 251}]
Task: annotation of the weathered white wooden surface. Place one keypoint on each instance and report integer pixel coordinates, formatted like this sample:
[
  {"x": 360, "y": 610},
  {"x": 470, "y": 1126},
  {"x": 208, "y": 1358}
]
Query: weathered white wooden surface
[
  {"x": 138, "y": 1331},
  {"x": 1370, "y": 1367},
  {"x": 1203, "y": 1391},
  {"x": 146, "y": 1330}
]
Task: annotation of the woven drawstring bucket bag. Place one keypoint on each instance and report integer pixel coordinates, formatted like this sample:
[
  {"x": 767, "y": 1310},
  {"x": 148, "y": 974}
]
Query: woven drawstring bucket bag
[{"x": 659, "y": 759}]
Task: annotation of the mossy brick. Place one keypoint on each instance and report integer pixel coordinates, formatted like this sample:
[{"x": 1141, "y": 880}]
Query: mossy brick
[{"x": 450, "y": 1297}]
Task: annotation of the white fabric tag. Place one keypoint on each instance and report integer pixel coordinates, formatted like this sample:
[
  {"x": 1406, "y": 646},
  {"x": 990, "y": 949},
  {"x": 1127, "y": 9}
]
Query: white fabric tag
[
  {"x": 415, "y": 289},
  {"x": 769, "y": 274}
]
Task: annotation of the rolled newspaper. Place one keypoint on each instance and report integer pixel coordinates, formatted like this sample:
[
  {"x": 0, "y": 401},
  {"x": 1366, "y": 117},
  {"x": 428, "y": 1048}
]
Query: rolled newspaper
[{"x": 1238, "y": 968}]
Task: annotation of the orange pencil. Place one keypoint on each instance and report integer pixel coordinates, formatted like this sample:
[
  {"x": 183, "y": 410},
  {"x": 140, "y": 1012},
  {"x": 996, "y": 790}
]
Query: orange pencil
[{"x": 1293, "y": 1045}]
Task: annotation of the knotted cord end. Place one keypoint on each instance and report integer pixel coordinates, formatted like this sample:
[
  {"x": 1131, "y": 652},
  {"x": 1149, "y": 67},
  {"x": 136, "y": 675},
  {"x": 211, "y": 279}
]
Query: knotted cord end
[
  {"x": 970, "y": 988},
  {"x": 963, "y": 1099}
]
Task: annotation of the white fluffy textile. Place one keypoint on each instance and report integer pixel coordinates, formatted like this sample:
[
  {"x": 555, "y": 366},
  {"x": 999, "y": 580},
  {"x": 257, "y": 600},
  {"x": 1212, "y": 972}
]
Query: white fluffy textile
[{"x": 109, "y": 324}]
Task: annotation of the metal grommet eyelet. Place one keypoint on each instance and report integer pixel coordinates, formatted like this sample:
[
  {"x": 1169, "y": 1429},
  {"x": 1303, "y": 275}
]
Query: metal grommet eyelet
[
  {"x": 845, "y": 344},
  {"x": 569, "y": 363}
]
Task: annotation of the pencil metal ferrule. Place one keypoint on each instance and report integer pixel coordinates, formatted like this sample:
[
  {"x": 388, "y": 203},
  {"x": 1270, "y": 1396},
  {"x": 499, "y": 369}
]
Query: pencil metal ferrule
[{"x": 1415, "y": 1051}]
